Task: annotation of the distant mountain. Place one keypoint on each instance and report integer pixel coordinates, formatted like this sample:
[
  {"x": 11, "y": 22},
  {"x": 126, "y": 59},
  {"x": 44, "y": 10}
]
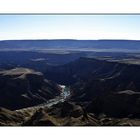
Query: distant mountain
[
  {"x": 119, "y": 45},
  {"x": 22, "y": 87}
]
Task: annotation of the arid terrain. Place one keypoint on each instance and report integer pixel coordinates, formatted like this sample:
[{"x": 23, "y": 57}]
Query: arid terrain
[{"x": 87, "y": 83}]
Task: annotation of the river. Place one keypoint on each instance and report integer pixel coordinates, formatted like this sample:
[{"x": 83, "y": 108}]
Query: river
[{"x": 61, "y": 98}]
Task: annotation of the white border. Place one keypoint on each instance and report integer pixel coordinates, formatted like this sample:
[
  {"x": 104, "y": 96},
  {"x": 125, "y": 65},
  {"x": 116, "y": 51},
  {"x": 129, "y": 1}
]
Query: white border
[
  {"x": 69, "y": 133},
  {"x": 69, "y": 6}
]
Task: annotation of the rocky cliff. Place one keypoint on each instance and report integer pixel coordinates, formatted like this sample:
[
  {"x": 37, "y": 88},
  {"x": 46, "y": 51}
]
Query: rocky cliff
[{"x": 22, "y": 87}]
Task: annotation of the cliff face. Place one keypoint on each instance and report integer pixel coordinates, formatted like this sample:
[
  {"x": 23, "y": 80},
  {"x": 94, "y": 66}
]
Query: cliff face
[
  {"x": 103, "y": 86},
  {"x": 72, "y": 72},
  {"x": 90, "y": 77},
  {"x": 103, "y": 77},
  {"x": 21, "y": 87},
  {"x": 112, "y": 88}
]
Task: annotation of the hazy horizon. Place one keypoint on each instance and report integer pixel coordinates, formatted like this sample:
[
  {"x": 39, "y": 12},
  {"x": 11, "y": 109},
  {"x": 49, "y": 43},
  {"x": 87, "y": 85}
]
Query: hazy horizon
[{"x": 71, "y": 39}]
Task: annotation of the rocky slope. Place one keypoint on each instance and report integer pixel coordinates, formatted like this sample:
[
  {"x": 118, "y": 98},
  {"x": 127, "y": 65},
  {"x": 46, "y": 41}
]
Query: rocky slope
[
  {"x": 21, "y": 87},
  {"x": 10, "y": 118},
  {"x": 89, "y": 68},
  {"x": 113, "y": 89},
  {"x": 62, "y": 114},
  {"x": 75, "y": 71},
  {"x": 120, "y": 105},
  {"x": 103, "y": 87}
]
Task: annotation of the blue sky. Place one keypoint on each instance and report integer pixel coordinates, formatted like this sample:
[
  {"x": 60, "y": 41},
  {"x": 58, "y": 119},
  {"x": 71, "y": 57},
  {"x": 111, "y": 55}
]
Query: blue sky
[{"x": 69, "y": 27}]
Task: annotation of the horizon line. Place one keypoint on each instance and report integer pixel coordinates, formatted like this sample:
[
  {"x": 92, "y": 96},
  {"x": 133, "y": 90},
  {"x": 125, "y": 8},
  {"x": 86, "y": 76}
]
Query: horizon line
[{"x": 71, "y": 39}]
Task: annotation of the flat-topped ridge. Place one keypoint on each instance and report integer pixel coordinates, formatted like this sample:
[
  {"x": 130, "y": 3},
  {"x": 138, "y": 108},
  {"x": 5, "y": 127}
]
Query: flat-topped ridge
[{"x": 19, "y": 71}]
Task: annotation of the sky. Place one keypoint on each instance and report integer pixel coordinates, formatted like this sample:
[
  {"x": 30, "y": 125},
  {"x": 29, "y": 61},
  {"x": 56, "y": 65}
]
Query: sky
[{"x": 69, "y": 27}]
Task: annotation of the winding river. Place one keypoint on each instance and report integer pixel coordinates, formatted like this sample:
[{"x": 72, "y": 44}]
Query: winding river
[{"x": 63, "y": 96}]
